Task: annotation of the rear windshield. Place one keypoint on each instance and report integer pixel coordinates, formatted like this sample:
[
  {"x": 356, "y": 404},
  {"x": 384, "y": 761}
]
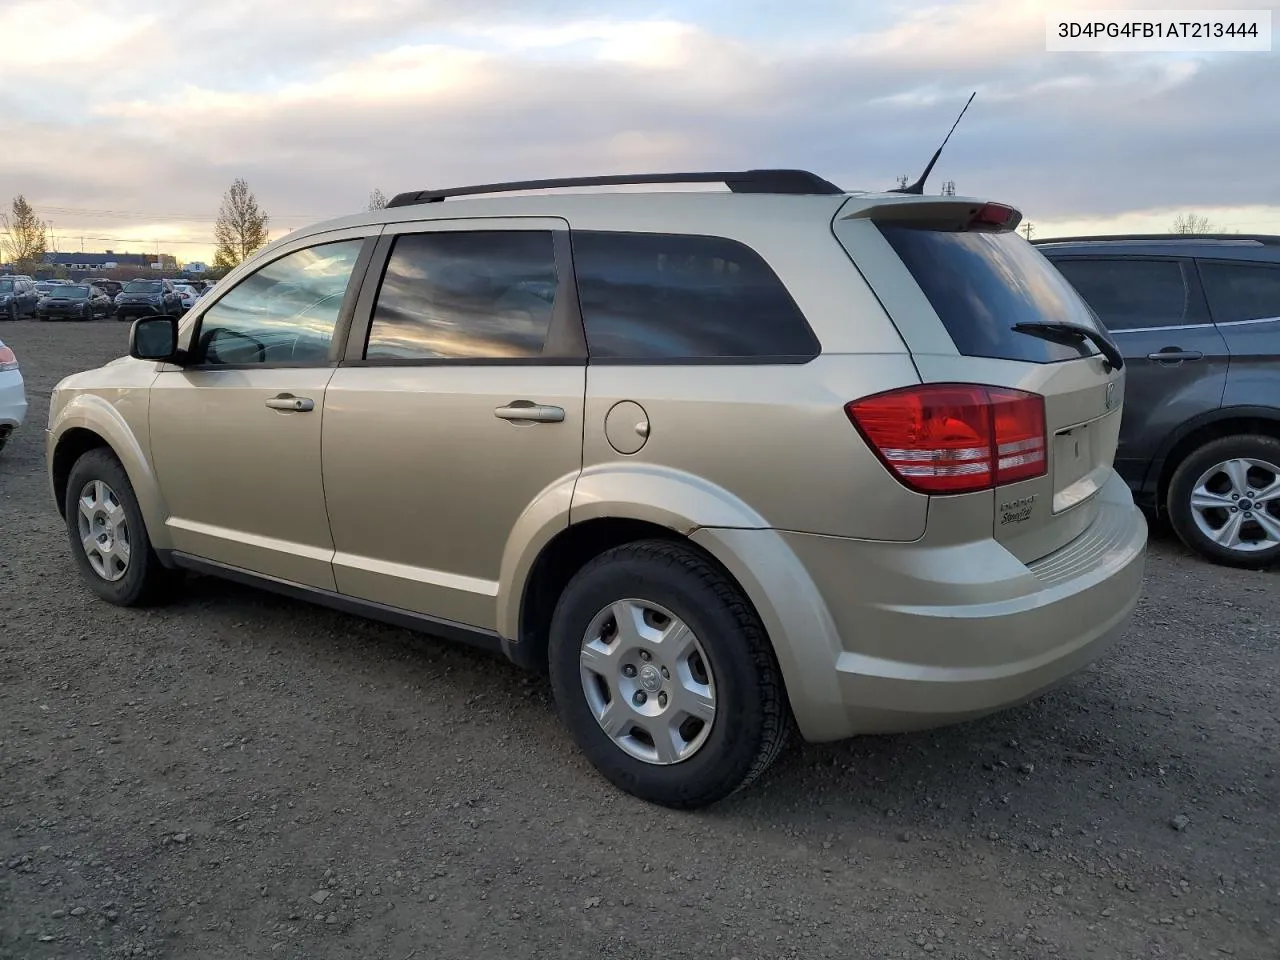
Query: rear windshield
[
  {"x": 982, "y": 283},
  {"x": 143, "y": 286}
]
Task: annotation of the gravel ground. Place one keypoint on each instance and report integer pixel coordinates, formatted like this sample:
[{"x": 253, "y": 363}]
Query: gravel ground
[{"x": 239, "y": 775}]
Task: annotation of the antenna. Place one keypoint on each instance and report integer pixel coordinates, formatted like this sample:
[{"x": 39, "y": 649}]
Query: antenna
[{"x": 918, "y": 186}]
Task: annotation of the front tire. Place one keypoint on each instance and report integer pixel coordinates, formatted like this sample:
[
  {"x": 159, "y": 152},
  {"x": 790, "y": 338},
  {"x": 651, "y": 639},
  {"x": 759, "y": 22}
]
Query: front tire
[
  {"x": 664, "y": 676},
  {"x": 12, "y": 313},
  {"x": 108, "y": 536},
  {"x": 1224, "y": 500}
]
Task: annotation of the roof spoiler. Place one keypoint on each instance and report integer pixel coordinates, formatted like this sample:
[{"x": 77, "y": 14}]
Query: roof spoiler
[{"x": 937, "y": 213}]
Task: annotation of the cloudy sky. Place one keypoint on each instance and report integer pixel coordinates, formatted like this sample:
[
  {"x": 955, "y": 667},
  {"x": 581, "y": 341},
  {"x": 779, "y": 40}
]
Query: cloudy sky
[{"x": 123, "y": 121}]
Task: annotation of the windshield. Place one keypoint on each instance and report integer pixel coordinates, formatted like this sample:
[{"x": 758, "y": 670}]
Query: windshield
[
  {"x": 70, "y": 293},
  {"x": 143, "y": 286},
  {"x": 981, "y": 283},
  {"x": 6, "y": 286}
]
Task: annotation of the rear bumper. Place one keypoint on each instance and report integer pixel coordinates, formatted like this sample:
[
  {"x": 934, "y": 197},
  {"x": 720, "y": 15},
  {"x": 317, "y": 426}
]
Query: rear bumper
[
  {"x": 911, "y": 636},
  {"x": 13, "y": 400}
]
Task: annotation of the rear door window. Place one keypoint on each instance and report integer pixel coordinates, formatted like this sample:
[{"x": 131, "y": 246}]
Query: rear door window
[
  {"x": 1133, "y": 294},
  {"x": 1241, "y": 291},
  {"x": 650, "y": 297},
  {"x": 981, "y": 283},
  {"x": 465, "y": 296}
]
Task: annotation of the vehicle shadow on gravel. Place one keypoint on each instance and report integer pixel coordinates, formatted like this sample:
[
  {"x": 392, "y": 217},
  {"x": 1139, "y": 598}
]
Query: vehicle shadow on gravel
[{"x": 1102, "y": 741}]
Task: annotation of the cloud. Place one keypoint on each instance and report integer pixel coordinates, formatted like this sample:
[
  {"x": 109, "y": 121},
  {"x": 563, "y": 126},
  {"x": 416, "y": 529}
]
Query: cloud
[{"x": 404, "y": 94}]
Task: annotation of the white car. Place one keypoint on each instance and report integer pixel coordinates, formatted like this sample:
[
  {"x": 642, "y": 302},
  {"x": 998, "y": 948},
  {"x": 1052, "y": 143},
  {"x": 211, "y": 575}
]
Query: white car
[
  {"x": 189, "y": 295},
  {"x": 13, "y": 395}
]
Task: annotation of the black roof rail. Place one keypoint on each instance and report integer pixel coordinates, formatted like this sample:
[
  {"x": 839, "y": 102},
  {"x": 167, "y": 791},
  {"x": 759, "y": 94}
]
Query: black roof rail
[
  {"x": 739, "y": 181},
  {"x": 1263, "y": 238}
]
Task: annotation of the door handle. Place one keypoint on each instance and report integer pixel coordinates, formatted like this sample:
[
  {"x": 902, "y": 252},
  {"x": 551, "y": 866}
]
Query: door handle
[
  {"x": 529, "y": 412},
  {"x": 1174, "y": 355},
  {"x": 287, "y": 401}
]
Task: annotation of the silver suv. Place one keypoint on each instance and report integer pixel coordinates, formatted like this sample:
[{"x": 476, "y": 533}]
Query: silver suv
[{"x": 722, "y": 463}]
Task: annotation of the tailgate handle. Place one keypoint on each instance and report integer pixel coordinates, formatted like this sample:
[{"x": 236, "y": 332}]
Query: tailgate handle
[{"x": 1174, "y": 355}]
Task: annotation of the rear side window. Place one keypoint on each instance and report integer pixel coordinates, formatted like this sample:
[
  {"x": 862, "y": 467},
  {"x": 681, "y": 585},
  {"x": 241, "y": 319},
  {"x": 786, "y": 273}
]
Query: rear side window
[
  {"x": 465, "y": 296},
  {"x": 651, "y": 297},
  {"x": 981, "y": 283},
  {"x": 1130, "y": 294},
  {"x": 1241, "y": 291}
]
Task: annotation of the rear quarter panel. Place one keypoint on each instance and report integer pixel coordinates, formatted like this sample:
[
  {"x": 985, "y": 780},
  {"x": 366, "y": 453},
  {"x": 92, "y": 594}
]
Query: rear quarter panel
[{"x": 771, "y": 436}]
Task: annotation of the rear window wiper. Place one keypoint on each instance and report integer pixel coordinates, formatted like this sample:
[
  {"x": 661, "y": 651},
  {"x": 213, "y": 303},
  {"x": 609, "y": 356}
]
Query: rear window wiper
[{"x": 1073, "y": 332}]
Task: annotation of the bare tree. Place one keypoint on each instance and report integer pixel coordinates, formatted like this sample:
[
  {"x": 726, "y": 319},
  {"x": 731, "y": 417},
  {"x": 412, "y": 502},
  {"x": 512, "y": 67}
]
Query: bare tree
[
  {"x": 948, "y": 188},
  {"x": 241, "y": 228},
  {"x": 1192, "y": 223},
  {"x": 24, "y": 236},
  {"x": 903, "y": 180},
  {"x": 377, "y": 199}
]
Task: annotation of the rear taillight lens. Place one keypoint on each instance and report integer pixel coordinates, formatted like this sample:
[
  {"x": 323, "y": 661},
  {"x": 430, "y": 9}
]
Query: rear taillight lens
[
  {"x": 955, "y": 437},
  {"x": 995, "y": 216},
  {"x": 7, "y": 360}
]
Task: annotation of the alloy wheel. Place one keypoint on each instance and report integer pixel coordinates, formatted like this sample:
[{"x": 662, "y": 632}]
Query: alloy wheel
[{"x": 1236, "y": 504}]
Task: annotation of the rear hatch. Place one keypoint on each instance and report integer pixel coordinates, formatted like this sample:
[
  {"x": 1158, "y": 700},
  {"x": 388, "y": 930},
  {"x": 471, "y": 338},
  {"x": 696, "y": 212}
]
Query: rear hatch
[{"x": 1028, "y": 421}]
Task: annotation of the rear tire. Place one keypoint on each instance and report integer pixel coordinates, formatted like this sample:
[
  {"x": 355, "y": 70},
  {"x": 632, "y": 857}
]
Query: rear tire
[
  {"x": 1224, "y": 500},
  {"x": 108, "y": 517},
  {"x": 727, "y": 658}
]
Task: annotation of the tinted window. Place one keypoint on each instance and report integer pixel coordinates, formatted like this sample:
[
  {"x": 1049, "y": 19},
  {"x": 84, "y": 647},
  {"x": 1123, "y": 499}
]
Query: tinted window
[
  {"x": 648, "y": 296},
  {"x": 981, "y": 283},
  {"x": 70, "y": 293},
  {"x": 465, "y": 296},
  {"x": 1128, "y": 294},
  {"x": 283, "y": 313},
  {"x": 143, "y": 286},
  {"x": 6, "y": 286},
  {"x": 1241, "y": 291}
]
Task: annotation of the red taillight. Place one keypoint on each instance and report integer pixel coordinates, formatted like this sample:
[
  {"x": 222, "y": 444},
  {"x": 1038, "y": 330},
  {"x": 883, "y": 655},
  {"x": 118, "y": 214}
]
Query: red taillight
[
  {"x": 8, "y": 361},
  {"x": 995, "y": 215},
  {"x": 955, "y": 437}
]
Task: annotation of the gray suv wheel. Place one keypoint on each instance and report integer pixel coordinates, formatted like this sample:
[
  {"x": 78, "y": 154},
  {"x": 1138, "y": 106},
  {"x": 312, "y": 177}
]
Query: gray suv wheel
[{"x": 1224, "y": 500}]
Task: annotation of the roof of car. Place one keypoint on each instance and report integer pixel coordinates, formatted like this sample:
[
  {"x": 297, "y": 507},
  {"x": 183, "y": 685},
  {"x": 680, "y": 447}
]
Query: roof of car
[
  {"x": 1233, "y": 246},
  {"x": 660, "y": 211}
]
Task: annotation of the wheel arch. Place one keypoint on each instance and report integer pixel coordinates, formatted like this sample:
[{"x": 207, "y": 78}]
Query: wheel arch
[
  {"x": 712, "y": 523},
  {"x": 89, "y": 422},
  {"x": 580, "y": 516}
]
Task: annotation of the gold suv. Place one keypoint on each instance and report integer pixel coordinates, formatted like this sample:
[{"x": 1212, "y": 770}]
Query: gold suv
[{"x": 722, "y": 462}]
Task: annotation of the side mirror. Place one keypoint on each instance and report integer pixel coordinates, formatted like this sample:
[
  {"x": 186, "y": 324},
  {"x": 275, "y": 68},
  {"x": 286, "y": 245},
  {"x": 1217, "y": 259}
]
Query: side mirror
[{"x": 154, "y": 338}]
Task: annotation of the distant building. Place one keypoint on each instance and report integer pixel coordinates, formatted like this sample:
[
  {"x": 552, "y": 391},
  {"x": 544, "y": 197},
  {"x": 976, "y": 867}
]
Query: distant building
[
  {"x": 195, "y": 266},
  {"x": 109, "y": 263}
]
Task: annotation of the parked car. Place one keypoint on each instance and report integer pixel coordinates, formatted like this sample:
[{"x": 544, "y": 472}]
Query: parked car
[
  {"x": 188, "y": 293},
  {"x": 18, "y": 297},
  {"x": 111, "y": 288},
  {"x": 13, "y": 395},
  {"x": 141, "y": 298},
  {"x": 713, "y": 460},
  {"x": 1198, "y": 320},
  {"x": 75, "y": 301}
]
